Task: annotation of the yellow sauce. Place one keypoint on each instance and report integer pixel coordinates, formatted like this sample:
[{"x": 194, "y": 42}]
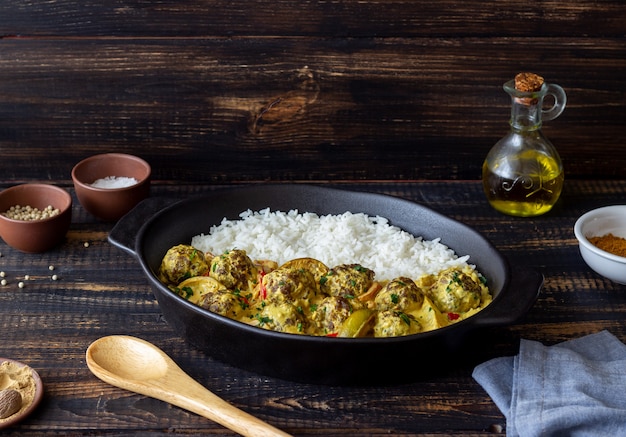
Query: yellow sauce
[{"x": 307, "y": 307}]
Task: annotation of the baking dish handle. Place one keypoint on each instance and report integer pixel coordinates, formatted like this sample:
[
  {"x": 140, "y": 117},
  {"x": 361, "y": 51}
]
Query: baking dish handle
[
  {"x": 519, "y": 297},
  {"x": 124, "y": 233}
]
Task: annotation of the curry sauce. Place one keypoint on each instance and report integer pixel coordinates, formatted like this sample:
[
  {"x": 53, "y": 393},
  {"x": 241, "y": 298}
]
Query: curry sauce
[{"x": 304, "y": 296}]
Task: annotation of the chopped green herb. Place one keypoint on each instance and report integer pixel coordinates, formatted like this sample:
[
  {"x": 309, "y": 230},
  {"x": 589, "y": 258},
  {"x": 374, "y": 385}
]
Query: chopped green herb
[
  {"x": 456, "y": 278},
  {"x": 244, "y": 303},
  {"x": 185, "y": 292},
  {"x": 263, "y": 319},
  {"x": 404, "y": 317}
]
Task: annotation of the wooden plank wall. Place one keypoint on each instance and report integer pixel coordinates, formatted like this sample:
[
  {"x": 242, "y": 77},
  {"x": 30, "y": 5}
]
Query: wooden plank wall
[{"x": 282, "y": 90}]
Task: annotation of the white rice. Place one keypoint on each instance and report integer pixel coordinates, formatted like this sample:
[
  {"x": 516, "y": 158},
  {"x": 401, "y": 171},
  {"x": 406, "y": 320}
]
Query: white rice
[{"x": 333, "y": 239}]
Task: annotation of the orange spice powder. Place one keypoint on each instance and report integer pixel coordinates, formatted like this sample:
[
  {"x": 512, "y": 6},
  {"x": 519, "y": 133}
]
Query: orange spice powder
[{"x": 610, "y": 243}]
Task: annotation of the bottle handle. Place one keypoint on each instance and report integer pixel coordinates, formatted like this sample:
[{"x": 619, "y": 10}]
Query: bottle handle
[{"x": 560, "y": 100}]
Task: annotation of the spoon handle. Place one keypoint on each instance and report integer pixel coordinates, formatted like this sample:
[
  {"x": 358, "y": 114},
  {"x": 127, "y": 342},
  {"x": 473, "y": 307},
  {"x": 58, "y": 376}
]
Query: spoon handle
[{"x": 196, "y": 398}]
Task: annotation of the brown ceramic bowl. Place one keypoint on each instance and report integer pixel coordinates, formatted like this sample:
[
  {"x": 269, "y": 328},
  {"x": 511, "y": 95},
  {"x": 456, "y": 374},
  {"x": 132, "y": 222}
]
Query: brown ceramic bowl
[
  {"x": 34, "y": 236},
  {"x": 111, "y": 203}
]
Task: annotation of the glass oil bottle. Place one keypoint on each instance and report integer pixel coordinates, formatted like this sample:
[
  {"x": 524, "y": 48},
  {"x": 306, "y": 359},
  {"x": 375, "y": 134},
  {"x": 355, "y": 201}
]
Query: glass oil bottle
[{"x": 522, "y": 174}]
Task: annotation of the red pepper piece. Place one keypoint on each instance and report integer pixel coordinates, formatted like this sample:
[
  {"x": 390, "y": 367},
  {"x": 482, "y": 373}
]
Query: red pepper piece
[{"x": 262, "y": 289}]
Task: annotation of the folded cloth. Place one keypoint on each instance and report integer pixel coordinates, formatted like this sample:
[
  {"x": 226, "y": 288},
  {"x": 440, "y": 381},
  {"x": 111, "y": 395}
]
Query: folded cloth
[{"x": 574, "y": 388}]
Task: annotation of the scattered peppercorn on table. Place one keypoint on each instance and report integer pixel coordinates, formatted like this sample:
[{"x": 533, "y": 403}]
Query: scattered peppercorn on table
[{"x": 86, "y": 288}]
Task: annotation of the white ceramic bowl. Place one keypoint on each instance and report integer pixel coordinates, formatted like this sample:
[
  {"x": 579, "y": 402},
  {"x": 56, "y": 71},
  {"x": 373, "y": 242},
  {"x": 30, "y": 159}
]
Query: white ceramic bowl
[{"x": 596, "y": 223}]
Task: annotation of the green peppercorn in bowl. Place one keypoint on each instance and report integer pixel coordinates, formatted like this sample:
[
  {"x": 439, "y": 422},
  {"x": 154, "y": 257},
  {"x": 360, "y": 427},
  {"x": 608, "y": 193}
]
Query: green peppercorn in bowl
[{"x": 34, "y": 217}]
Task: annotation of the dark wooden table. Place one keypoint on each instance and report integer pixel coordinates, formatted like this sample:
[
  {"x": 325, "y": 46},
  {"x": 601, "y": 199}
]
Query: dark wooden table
[
  {"x": 349, "y": 93},
  {"x": 227, "y": 92},
  {"x": 101, "y": 291}
]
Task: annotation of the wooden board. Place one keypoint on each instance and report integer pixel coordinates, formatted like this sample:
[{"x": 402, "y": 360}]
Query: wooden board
[{"x": 283, "y": 91}]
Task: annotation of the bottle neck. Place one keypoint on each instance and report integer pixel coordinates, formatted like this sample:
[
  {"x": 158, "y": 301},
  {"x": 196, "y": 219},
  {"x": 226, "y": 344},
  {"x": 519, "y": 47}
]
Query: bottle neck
[{"x": 525, "y": 114}]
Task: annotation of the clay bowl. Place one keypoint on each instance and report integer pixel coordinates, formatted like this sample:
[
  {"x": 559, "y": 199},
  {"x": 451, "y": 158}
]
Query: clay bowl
[
  {"x": 109, "y": 203},
  {"x": 596, "y": 223},
  {"x": 34, "y": 236}
]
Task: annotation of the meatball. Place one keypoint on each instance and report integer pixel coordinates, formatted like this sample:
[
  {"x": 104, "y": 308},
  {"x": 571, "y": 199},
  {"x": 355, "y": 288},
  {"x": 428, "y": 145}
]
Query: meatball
[
  {"x": 289, "y": 285},
  {"x": 394, "y": 324},
  {"x": 225, "y": 303},
  {"x": 330, "y": 314},
  {"x": 400, "y": 294},
  {"x": 234, "y": 269},
  {"x": 211, "y": 295},
  {"x": 347, "y": 280},
  {"x": 317, "y": 268},
  {"x": 182, "y": 262},
  {"x": 282, "y": 317},
  {"x": 456, "y": 290}
]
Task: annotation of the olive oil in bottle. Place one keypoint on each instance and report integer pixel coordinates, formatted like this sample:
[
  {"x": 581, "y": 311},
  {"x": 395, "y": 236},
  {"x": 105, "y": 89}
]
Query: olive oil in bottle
[
  {"x": 523, "y": 174},
  {"x": 533, "y": 192}
]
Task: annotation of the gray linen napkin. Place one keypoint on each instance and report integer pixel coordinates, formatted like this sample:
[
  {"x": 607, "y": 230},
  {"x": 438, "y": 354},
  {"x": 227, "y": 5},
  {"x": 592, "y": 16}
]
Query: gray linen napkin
[{"x": 574, "y": 388}]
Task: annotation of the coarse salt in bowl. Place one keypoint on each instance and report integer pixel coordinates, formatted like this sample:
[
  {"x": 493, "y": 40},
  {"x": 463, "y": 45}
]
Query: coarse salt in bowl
[
  {"x": 111, "y": 184},
  {"x": 114, "y": 182}
]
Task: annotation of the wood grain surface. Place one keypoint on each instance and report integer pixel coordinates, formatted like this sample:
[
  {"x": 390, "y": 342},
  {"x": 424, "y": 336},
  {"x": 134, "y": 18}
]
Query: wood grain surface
[
  {"x": 352, "y": 90},
  {"x": 400, "y": 97},
  {"x": 101, "y": 291}
]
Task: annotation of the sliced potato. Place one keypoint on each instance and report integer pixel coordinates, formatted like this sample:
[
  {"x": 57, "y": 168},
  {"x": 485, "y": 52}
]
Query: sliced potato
[
  {"x": 193, "y": 289},
  {"x": 316, "y": 267},
  {"x": 359, "y": 324}
]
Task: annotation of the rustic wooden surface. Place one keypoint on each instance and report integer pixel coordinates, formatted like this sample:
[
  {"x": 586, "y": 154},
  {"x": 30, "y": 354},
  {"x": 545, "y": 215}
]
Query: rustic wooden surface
[
  {"x": 101, "y": 291},
  {"x": 402, "y": 97},
  {"x": 227, "y": 91}
]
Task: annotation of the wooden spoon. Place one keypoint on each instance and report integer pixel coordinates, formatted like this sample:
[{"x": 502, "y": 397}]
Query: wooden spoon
[{"x": 139, "y": 366}]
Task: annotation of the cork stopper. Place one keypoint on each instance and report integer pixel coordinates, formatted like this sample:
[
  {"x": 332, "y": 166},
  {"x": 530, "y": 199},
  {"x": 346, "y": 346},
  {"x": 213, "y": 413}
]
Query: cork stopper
[{"x": 528, "y": 82}]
